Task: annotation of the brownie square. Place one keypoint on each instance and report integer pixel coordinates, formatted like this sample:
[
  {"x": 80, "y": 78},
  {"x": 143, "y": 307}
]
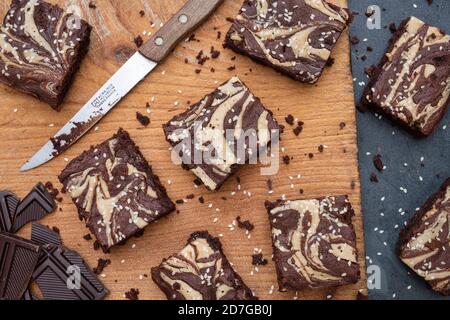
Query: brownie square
[
  {"x": 314, "y": 243},
  {"x": 41, "y": 48},
  {"x": 115, "y": 190},
  {"x": 412, "y": 82},
  {"x": 295, "y": 37},
  {"x": 200, "y": 271},
  {"x": 424, "y": 244},
  {"x": 210, "y": 136}
]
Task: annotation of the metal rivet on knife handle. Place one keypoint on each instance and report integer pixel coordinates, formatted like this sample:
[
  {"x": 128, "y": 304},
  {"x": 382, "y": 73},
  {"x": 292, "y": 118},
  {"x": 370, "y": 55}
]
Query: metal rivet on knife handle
[{"x": 193, "y": 13}]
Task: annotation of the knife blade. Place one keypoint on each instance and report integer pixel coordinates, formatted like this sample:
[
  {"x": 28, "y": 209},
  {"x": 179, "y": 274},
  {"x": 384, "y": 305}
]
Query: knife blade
[{"x": 144, "y": 61}]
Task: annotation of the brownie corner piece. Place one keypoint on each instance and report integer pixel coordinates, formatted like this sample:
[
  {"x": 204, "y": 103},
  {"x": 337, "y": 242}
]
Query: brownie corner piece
[
  {"x": 41, "y": 49},
  {"x": 412, "y": 81},
  {"x": 115, "y": 190},
  {"x": 295, "y": 37},
  {"x": 209, "y": 137},
  {"x": 314, "y": 243},
  {"x": 424, "y": 244},
  {"x": 200, "y": 271}
]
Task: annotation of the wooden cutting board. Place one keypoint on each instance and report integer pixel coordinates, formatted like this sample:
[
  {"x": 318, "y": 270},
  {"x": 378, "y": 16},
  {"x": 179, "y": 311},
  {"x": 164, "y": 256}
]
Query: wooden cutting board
[{"x": 327, "y": 109}]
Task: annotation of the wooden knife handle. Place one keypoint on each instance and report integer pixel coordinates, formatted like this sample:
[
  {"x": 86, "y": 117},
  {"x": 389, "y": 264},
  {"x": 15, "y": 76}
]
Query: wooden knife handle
[{"x": 193, "y": 13}]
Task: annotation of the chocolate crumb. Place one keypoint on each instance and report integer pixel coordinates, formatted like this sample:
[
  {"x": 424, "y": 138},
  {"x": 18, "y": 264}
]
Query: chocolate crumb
[
  {"x": 201, "y": 199},
  {"x": 373, "y": 177},
  {"x": 299, "y": 128},
  {"x": 190, "y": 196},
  {"x": 101, "y": 265},
  {"x": 247, "y": 225},
  {"x": 310, "y": 155},
  {"x": 290, "y": 119},
  {"x": 258, "y": 260},
  {"x": 354, "y": 40},
  {"x": 144, "y": 120},
  {"x": 201, "y": 58},
  {"x": 378, "y": 163},
  {"x": 342, "y": 125},
  {"x": 286, "y": 160},
  {"x": 232, "y": 68},
  {"x": 133, "y": 294},
  {"x": 92, "y": 5},
  {"x": 138, "y": 41},
  {"x": 142, "y": 13},
  {"x": 321, "y": 148},
  {"x": 87, "y": 237},
  {"x": 214, "y": 53}
]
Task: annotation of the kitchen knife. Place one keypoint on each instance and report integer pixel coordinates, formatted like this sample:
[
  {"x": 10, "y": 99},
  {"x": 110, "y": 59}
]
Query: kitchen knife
[{"x": 150, "y": 54}]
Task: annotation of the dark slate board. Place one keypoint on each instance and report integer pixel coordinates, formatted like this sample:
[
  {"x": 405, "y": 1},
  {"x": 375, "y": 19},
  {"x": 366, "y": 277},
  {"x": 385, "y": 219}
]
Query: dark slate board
[{"x": 400, "y": 151}]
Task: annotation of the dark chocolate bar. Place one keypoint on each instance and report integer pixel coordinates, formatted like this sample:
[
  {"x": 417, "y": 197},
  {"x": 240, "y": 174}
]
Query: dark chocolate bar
[
  {"x": 18, "y": 259},
  {"x": 36, "y": 205},
  {"x": 61, "y": 273}
]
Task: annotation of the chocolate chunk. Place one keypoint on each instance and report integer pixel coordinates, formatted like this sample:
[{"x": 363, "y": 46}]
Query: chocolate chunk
[
  {"x": 258, "y": 260},
  {"x": 200, "y": 271},
  {"x": 133, "y": 294},
  {"x": 42, "y": 235},
  {"x": 18, "y": 260},
  {"x": 295, "y": 37},
  {"x": 41, "y": 49},
  {"x": 412, "y": 82},
  {"x": 424, "y": 244},
  {"x": 144, "y": 120},
  {"x": 314, "y": 243},
  {"x": 36, "y": 205},
  {"x": 62, "y": 274},
  {"x": 115, "y": 190},
  {"x": 247, "y": 225},
  {"x": 227, "y": 117},
  {"x": 8, "y": 206}
]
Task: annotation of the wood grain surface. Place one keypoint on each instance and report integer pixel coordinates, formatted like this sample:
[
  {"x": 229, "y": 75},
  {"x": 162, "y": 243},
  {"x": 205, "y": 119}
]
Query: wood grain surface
[{"x": 327, "y": 109}]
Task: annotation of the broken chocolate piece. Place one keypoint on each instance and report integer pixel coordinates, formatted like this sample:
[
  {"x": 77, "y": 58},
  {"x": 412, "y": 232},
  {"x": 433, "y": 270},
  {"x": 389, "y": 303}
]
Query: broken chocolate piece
[
  {"x": 36, "y": 205},
  {"x": 18, "y": 261}
]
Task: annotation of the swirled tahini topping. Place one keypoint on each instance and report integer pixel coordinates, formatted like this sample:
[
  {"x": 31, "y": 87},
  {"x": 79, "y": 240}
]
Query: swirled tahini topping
[
  {"x": 39, "y": 45},
  {"x": 115, "y": 190},
  {"x": 221, "y": 132},
  {"x": 293, "y": 36},
  {"x": 426, "y": 247},
  {"x": 413, "y": 83},
  {"x": 314, "y": 242},
  {"x": 200, "y": 271}
]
